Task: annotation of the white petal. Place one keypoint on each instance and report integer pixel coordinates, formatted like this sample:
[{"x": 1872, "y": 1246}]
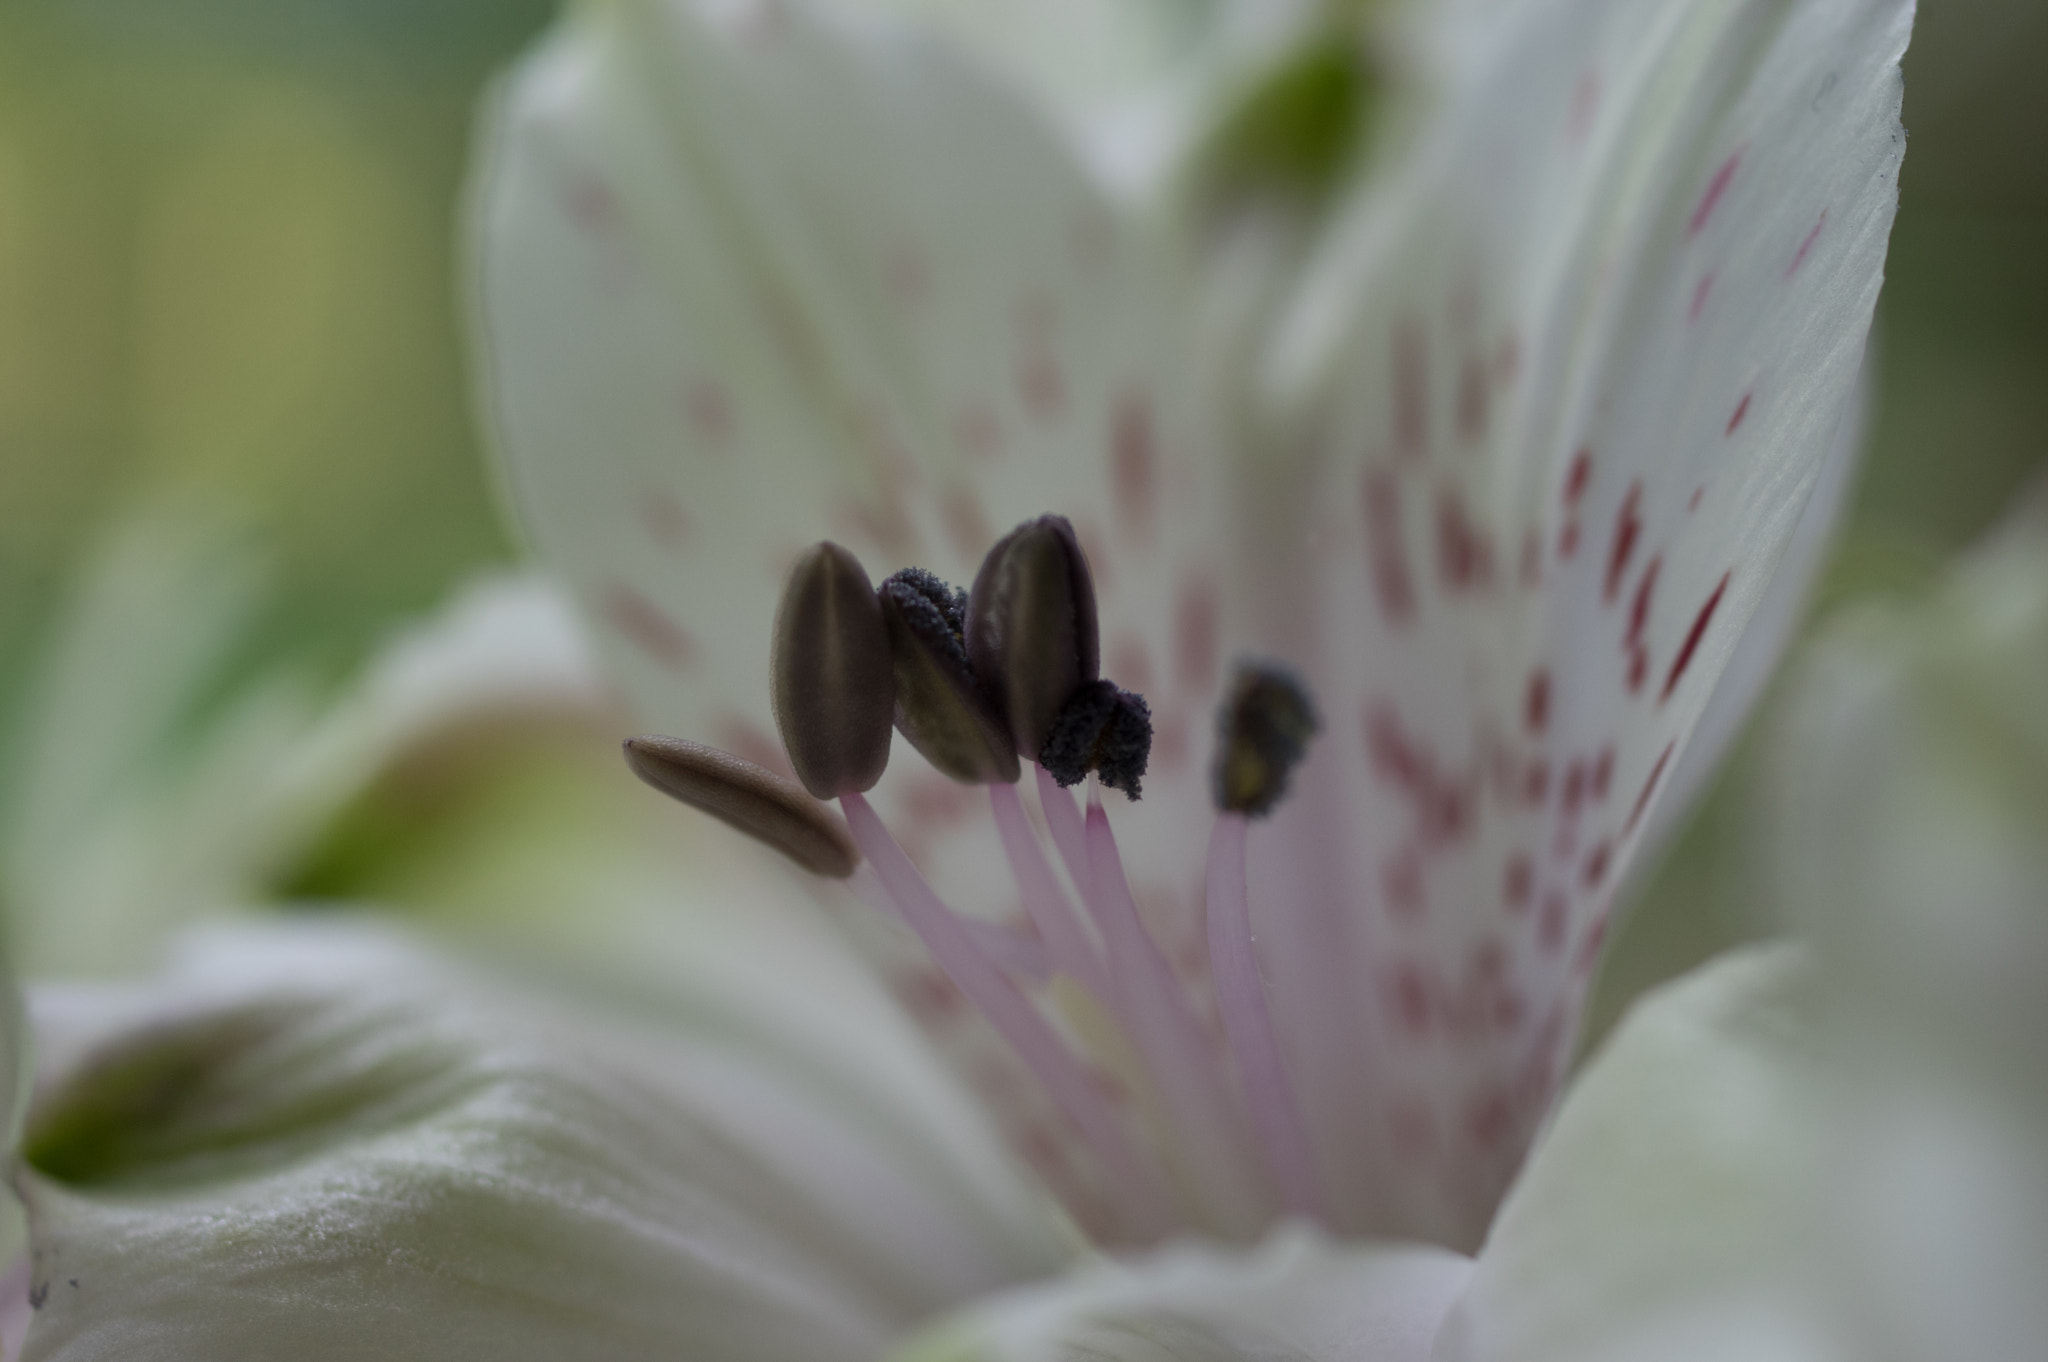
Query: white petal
[
  {"x": 332, "y": 1143},
  {"x": 1558, "y": 394},
  {"x": 1298, "y": 1296},
  {"x": 754, "y": 276},
  {"x": 1662, "y": 1213}
]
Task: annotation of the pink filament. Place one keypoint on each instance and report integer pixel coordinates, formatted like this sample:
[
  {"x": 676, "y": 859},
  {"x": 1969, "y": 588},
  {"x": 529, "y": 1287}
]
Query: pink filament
[
  {"x": 1067, "y": 943},
  {"x": 1177, "y": 1053},
  {"x": 1027, "y": 1033},
  {"x": 1241, "y": 997}
]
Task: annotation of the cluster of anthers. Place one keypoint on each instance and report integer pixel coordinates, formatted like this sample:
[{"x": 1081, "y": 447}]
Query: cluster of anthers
[{"x": 981, "y": 682}]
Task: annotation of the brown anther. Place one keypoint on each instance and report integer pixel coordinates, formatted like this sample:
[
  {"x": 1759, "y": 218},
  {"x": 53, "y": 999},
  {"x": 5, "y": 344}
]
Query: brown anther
[
  {"x": 1262, "y": 730},
  {"x": 831, "y": 680},
  {"x": 1031, "y": 627},
  {"x": 940, "y": 706},
  {"x": 766, "y": 807}
]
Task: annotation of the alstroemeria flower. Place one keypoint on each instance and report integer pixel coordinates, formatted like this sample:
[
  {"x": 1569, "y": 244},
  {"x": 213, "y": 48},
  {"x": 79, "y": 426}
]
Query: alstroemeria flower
[
  {"x": 1486, "y": 506},
  {"x": 1503, "y": 484}
]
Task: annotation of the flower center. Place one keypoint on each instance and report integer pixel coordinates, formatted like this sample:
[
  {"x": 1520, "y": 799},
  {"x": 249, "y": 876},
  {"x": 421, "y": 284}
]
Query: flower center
[{"x": 1172, "y": 1089}]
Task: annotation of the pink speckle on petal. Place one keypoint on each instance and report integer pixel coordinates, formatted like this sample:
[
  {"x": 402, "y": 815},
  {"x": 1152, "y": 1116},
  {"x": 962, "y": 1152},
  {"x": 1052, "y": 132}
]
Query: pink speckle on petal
[
  {"x": 649, "y": 628},
  {"x": 1518, "y": 883},
  {"x": 1386, "y": 548},
  {"x": 1585, "y": 103},
  {"x": 1692, "y": 639},
  {"x": 1716, "y": 187},
  {"x": 1134, "y": 464},
  {"x": 1040, "y": 386},
  {"x": 1401, "y": 881},
  {"x": 1578, "y": 477},
  {"x": 1741, "y": 410},
  {"x": 1806, "y": 245},
  {"x": 1536, "y": 702},
  {"x": 1628, "y": 528},
  {"x": 1551, "y": 922},
  {"x": 1596, "y": 865},
  {"x": 1699, "y": 296},
  {"x": 1603, "y": 773},
  {"x": 1639, "y": 610},
  {"x": 1411, "y": 391},
  {"x": 1635, "y": 814},
  {"x": 708, "y": 408},
  {"x": 1692, "y": 503},
  {"x": 1464, "y": 553},
  {"x": 1196, "y": 625}
]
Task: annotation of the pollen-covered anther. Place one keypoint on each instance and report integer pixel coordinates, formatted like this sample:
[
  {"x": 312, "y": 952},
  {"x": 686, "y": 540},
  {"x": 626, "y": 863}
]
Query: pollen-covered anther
[
  {"x": 940, "y": 706},
  {"x": 766, "y": 807},
  {"x": 1263, "y": 731},
  {"x": 831, "y": 680},
  {"x": 1031, "y": 627},
  {"x": 1102, "y": 729}
]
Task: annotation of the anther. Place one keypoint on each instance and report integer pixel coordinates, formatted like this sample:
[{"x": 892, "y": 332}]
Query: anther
[
  {"x": 831, "y": 680},
  {"x": 940, "y": 706},
  {"x": 766, "y": 807},
  {"x": 1263, "y": 730},
  {"x": 1031, "y": 627},
  {"x": 1101, "y": 729}
]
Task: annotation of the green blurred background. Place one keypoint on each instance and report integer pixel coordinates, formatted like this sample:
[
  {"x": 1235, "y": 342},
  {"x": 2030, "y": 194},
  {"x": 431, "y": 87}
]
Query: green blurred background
[{"x": 228, "y": 279}]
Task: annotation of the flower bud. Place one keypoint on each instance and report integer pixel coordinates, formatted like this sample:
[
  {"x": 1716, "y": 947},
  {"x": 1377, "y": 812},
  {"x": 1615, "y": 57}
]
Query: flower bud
[
  {"x": 756, "y": 801},
  {"x": 940, "y": 706},
  {"x": 1031, "y": 627},
  {"x": 831, "y": 680},
  {"x": 1262, "y": 734}
]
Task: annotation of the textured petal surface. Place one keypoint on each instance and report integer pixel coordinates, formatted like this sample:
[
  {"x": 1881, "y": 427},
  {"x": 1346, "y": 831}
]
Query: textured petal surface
[
  {"x": 1662, "y": 1213},
  {"x": 320, "y": 1143},
  {"x": 1555, "y": 397},
  {"x": 1296, "y": 1297}
]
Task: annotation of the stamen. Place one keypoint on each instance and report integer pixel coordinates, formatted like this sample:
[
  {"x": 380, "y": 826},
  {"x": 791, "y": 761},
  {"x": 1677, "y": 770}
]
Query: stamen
[
  {"x": 1152, "y": 1004},
  {"x": 831, "y": 680},
  {"x": 1067, "y": 944},
  {"x": 1103, "y": 730},
  {"x": 940, "y": 706},
  {"x": 1128, "y": 1180},
  {"x": 1263, "y": 730},
  {"x": 1241, "y": 998},
  {"x": 756, "y": 801}
]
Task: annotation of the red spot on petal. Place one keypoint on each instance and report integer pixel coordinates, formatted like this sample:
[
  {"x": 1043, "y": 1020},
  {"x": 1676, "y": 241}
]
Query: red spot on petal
[
  {"x": 1196, "y": 622},
  {"x": 1130, "y": 663},
  {"x": 1692, "y": 503},
  {"x": 666, "y": 518},
  {"x": 1133, "y": 464},
  {"x": 1387, "y": 550},
  {"x": 1568, "y": 539},
  {"x": 1699, "y": 296},
  {"x": 1585, "y": 103},
  {"x": 1411, "y": 998},
  {"x": 1628, "y": 528},
  {"x": 1639, "y": 609},
  {"x": 1807, "y": 245},
  {"x": 1638, "y": 668},
  {"x": 708, "y": 408},
  {"x": 1536, "y": 782},
  {"x": 1692, "y": 639},
  {"x": 1551, "y": 922},
  {"x": 966, "y": 523},
  {"x": 1741, "y": 410},
  {"x": 1464, "y": 553},
  {"x": 1603, "y": 773},
  {"x": 1411, "y": 391},
  {"x": 1472, "y": 402},
  {"x": 649, "y": 628},
  {"x": 1536, "y": 701},
  {"x": 977, "y": 431},
  {"x": 1596, "y": 865},
  {"x": 1578, "y": 477},
  {"x": 1518, "y": 883},
  {"x": 1635, "y": 815},
  {"x": 1716, "y": 187},
  {"x": 1401, "y": 880}
]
